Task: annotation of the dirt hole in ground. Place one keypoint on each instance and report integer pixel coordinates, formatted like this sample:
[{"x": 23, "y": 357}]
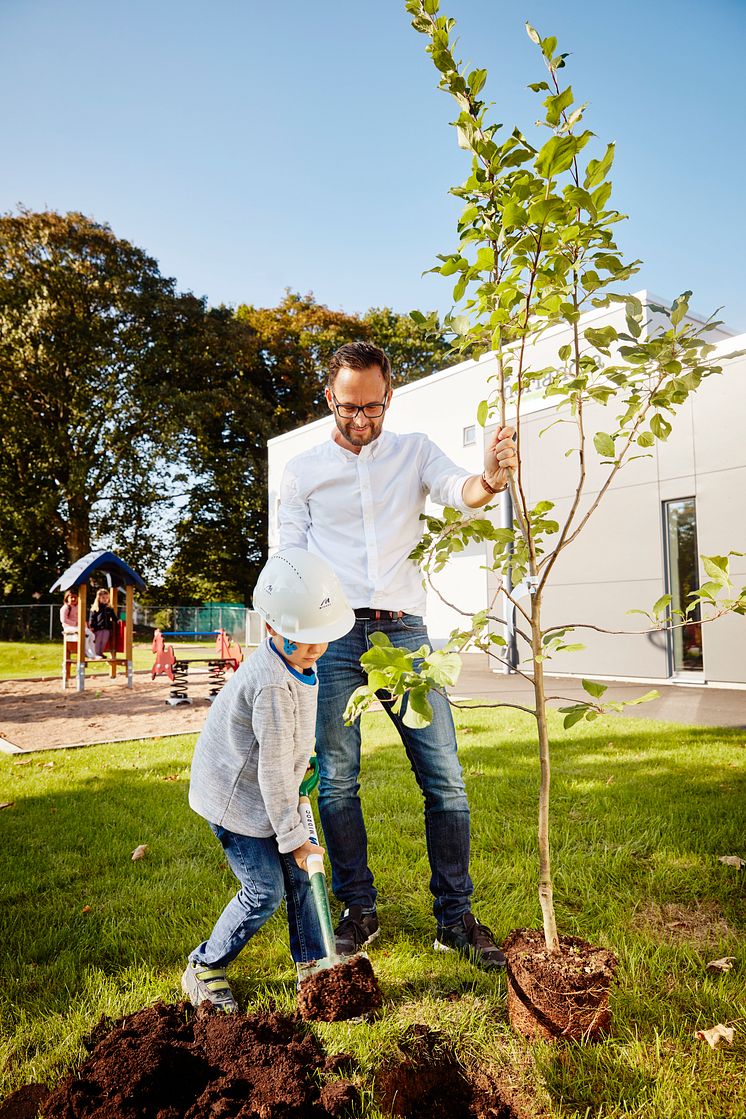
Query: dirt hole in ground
[{"x": 430, "y": 1083}]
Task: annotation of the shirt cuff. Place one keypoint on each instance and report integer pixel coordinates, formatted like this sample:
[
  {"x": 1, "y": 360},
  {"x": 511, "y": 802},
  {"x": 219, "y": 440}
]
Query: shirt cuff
[{"x": 292, "y": 840}]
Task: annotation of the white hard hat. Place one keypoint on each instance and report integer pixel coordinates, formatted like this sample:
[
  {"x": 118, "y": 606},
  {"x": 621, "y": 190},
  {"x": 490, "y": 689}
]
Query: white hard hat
[{"x": 298, "y": 594}]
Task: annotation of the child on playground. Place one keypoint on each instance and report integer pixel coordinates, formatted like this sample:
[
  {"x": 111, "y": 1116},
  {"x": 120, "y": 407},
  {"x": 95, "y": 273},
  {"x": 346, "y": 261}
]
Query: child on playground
[
  {"x": 69, "y": 621},
  {"x": 102, "y": 621},
  {"x": 249, "y": 762}
]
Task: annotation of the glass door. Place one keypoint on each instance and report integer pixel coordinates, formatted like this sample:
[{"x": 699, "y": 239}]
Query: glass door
[{"x": 685, "y": 641}]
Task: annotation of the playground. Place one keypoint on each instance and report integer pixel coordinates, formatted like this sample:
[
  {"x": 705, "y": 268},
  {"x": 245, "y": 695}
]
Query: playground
[{"x": 38, "y": 715}]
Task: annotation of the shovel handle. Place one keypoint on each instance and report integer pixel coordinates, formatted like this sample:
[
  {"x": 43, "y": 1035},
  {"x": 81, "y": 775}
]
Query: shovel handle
[
  {"x": 306, "y": 815},
  {"x": 317, "y": 878}
]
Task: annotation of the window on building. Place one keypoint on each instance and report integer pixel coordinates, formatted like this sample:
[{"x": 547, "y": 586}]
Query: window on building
[
  {"x": 470, "y": 435},
  {"x": 685, "y": 641}
]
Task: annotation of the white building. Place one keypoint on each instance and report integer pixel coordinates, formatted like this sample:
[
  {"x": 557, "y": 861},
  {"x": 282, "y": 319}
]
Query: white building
[{"x": 687, "y": 499}]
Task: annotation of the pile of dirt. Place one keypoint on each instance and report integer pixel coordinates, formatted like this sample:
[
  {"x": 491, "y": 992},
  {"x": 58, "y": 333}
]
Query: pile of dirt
[
  {"x": 348, "y": 990},
  {"x": 430, "y": 1083},
  {"x": 172, "y": 1062}
]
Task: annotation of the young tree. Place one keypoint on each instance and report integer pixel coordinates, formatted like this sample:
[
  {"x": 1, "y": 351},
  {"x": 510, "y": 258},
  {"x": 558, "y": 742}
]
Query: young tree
[{"x": 537, "y": 248}]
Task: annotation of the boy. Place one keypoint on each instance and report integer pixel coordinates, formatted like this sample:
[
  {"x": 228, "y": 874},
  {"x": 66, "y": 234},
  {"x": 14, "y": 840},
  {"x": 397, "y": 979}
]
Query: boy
[{"x": 249, "y": 762}]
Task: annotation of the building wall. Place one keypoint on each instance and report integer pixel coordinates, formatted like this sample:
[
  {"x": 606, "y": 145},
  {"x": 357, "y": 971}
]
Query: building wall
[{"x": 618, "y": 562}]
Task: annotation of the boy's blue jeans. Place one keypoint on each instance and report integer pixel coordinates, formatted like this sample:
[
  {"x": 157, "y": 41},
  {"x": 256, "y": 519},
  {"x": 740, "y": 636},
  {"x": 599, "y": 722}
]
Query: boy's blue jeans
[
  {"x": 432, "y": 755},
  {"x": 266, "y": 878}
]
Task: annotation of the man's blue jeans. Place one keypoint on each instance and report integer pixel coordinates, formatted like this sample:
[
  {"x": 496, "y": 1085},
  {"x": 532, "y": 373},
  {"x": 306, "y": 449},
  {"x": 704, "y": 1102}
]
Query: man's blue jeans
[
  {"x": 432, "y": 755},
  {"x": 266, "y": 878}
]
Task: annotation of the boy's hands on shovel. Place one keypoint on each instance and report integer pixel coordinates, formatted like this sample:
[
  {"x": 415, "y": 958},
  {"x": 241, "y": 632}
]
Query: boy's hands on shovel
[{"x": 300, "y": 854}]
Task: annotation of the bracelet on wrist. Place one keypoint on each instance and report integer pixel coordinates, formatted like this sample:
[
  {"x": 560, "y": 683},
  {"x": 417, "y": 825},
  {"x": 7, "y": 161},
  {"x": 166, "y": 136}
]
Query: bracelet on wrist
[{"x": 487, "y": 486}]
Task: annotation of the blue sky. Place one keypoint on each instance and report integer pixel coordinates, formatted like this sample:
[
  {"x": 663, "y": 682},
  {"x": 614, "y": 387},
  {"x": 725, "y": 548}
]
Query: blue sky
[{"x": 251, "y": 147}]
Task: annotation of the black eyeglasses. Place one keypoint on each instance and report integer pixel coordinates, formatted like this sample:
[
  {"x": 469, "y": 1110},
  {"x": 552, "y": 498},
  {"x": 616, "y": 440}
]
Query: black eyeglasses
[{"x": 350, "y": 411}]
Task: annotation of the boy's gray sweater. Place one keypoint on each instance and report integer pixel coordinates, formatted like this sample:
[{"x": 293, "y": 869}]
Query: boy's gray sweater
[{"x": 253, "y": 751}]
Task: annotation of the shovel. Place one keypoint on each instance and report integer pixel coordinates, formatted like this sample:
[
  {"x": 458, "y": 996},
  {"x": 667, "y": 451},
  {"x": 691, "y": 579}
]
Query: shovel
[{"x": 317, "y": 877}]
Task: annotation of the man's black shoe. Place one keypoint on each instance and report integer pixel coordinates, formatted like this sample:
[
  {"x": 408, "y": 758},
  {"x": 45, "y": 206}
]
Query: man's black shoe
[
  {"x": 356, "y": 928},
  {"x": 470, "y": 939}
]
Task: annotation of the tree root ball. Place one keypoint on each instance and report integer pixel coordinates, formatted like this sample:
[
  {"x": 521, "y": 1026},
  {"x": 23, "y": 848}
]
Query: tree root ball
[
  {"x": 563, "y": 994},
  {"x": 335, "y": 994}
]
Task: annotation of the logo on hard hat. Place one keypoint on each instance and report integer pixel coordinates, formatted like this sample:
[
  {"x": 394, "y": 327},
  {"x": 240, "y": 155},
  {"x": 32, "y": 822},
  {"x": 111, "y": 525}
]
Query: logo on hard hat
[{"x": 325, "y": 602}]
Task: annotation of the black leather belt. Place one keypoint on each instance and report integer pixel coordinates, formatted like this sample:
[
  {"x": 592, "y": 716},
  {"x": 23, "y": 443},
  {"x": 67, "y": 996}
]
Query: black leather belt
[{"x": 365, "y": 614}]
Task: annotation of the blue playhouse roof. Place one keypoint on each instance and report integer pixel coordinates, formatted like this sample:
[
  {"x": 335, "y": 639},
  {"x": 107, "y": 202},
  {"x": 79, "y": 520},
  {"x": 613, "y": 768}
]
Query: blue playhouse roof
[{"x": 119, "y": 573}]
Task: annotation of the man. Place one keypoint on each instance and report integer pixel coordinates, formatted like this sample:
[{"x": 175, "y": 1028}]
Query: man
[{"x": 356, "y": 500}]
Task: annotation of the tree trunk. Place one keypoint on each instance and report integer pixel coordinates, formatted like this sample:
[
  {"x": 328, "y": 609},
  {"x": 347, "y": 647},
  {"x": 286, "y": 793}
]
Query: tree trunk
[
  {"x": 78, "y": 528},
  {"x": 546, "y": 899}
]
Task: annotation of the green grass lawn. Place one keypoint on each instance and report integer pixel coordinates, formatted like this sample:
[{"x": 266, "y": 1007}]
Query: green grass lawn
[
  {"x": 641, "y": 812},
  {"x": 22, "y": 660}
]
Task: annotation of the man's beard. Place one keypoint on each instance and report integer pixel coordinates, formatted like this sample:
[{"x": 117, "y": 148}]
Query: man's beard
[{"x": 356, "y": 437}]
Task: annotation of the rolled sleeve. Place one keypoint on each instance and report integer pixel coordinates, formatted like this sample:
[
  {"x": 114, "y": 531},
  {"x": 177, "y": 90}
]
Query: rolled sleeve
[
  {"x": 442, "y": 479},
  {"x": 294, "y": 516}
]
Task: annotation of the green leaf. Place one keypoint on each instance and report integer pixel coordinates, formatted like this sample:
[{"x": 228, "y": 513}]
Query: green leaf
[
  {"x": 431, "y": 6},
  {"x": 482, "y": 412},
  {"x": 680, "y": 308},
  {"x": 513, "y": 214},
  {"x": 377, "y": 680},
  {"x": 476, "y": 80},
  {"x": 660, "y": 427},
  {"x": 533, "y": 34},
  {"x": 556, "y": 105},
  {"x": 654, "y": 694},
  {"x": 574, "y": 717},
  {"x": 443, "y": 668},
  {"x": 597, "y": 168},
  {"x": 418, "y": 713},
  {"x": 556, "y": 156},
  {"x": 604, "y": 444},
  {"x": 661, "y": 605},
  {"x": 717, "y": 567},
  {"x": 594, "y": 688},
  {"x": 380, "y": 639}
]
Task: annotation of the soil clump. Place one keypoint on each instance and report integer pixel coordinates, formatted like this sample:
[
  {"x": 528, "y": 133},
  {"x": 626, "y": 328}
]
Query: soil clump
[
  {"x": 174, "y": 1062},
  {"x": 431, "y": 1083},
  {"x": 348, "y": 990},
  {"x": 562, "y": 994}
]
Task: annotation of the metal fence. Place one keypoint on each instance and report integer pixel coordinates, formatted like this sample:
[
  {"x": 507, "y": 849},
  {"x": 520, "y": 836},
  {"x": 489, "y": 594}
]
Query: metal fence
[
  {"x": 34, "y": 622},
  {"x": 30, "y": 623}
]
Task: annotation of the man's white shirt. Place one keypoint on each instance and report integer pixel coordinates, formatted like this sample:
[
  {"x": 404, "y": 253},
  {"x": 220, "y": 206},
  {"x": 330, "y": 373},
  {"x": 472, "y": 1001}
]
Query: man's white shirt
[{"x": 361, "y": 512}]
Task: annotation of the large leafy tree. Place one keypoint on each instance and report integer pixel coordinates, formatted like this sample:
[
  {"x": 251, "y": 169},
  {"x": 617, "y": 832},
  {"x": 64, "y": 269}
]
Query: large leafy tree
[
  {"x": 90, "y": 352},
  {"x": 298, "y": 337},
  {"x": 226, "y": 417},
  {"x": 135, "y": 417},
  {"x": 416, "y": 345}
]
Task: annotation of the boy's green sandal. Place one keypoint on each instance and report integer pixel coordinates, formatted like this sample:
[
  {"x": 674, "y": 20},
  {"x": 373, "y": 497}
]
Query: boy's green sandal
[{"x": 208, "y": 984}]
